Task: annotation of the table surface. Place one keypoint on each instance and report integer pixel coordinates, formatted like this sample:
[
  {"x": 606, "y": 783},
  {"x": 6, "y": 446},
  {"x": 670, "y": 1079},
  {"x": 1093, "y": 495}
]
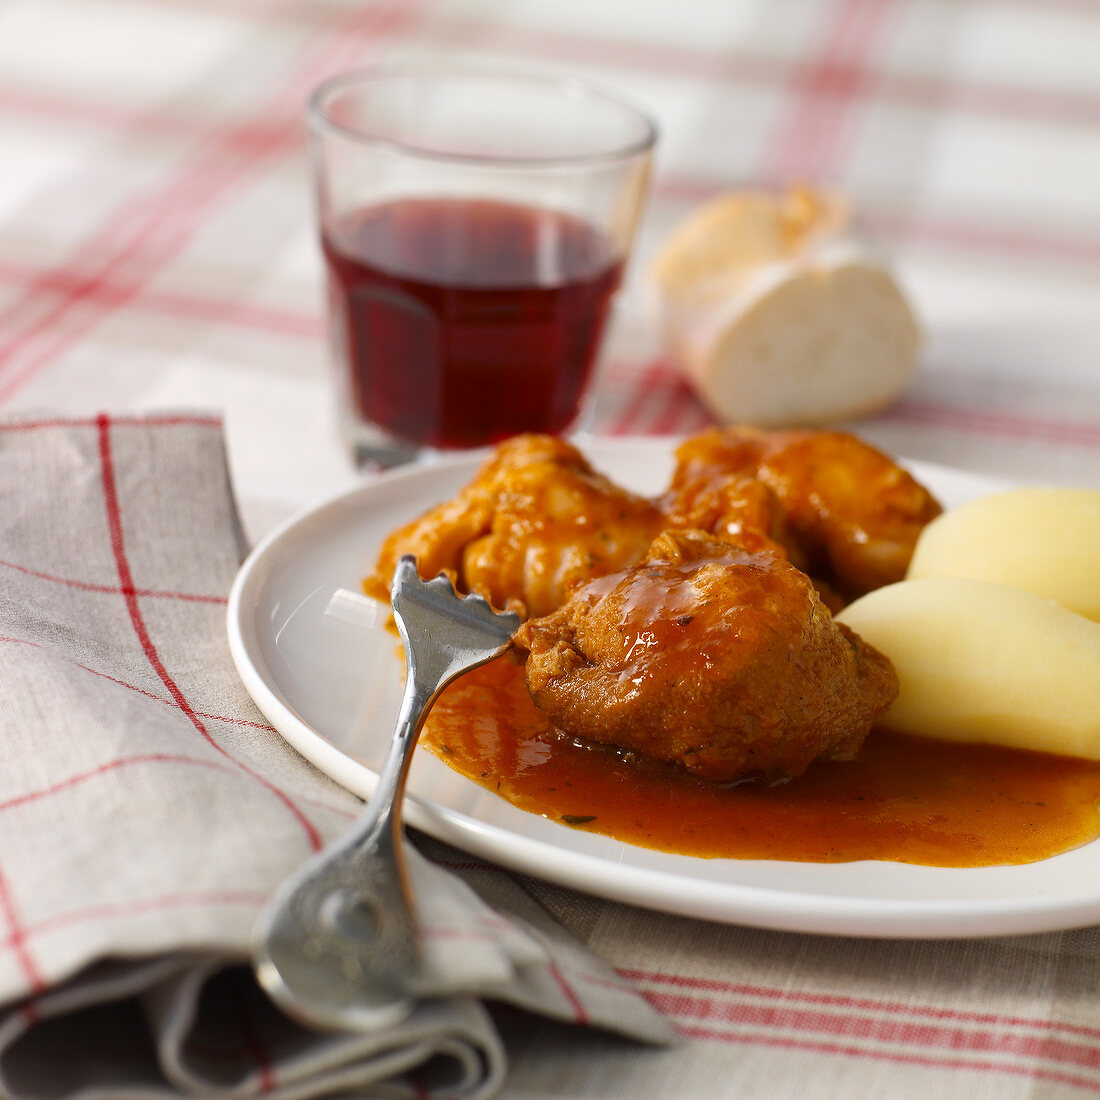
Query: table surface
[
  {"x": 158, "y": 249},
  {"x": 157, "y": 246}
]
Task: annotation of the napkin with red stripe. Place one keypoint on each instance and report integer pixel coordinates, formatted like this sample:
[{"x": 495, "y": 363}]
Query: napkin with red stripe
[{"x": 147, "y": 811}]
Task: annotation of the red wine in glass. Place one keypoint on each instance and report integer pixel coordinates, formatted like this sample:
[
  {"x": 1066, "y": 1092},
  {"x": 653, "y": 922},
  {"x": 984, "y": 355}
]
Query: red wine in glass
[{"x": 463, "y": 321}]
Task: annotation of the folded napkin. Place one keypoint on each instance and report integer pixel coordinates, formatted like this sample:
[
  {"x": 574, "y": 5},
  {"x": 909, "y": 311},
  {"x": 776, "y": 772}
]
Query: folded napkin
[{"x": 147, "y": 811}]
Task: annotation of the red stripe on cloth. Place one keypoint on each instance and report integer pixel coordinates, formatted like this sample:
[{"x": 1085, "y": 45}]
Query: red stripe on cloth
[
  {"x": 1007, "y": 424},
  {"x": 710, "y": 985},
  {"x": 729, "y": 66},
  {"x": 17, "y": 938},
  {"x": 805, "y": 143},
  {"x": 162, "y": 220},
  {"x": 144, "y": 234},
  {"x": 666, "y": 58},
  {"x": 112, "y": 590},
  {"x": 682, "y": 410},
  {"x": 661, "y": 402},
  {"x": 140, "y": 691},
  {"x": 947, "y": 1063},
  {"x": 105, "y": 769},
  {"x": 142, "y": 420},
  {"x": 114, "y": 522},
  {"x": 139, "y": 906},
  {"x": 268, "y": 319},
  {"x": 65, "y": 107},
  {"x": 78, "y": 311},
  {"x": 489, "y": 934},
  {"x": 1026, "y": 245},
  {"x": 924, "y": 91},
  {"x": 8, "y": 640},
  {"x": 575, "y": 1002},
  {"x": 249, "y": 722},
  {"x": 191, "y": 307},
  {"x": 659, "y": 377},
  {"x": 576, "y": 1005},
  {"x": 631, "y": 417},
  {"x": 972, "y": 234},
  {"x": 849, "y": 1025},
  {"x": 930, "y": 93}
]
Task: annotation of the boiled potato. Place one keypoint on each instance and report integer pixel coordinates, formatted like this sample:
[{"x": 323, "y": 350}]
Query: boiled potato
[
  {"x": 1045, "y": 541},
  {"x": 979, "y": 661}
]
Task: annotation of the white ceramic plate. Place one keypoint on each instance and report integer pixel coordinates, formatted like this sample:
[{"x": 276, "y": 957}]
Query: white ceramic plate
[{"x": 331, "y": 687}]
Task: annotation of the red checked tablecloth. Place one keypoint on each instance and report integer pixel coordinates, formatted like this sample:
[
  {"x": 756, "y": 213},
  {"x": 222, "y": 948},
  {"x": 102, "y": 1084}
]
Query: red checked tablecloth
[{"x": 157, "y": 252}]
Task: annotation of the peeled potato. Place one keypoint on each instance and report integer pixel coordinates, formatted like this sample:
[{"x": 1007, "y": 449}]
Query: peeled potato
[
  {"x": 1045, "y": 541},
  {"x": 978, "y": 661}
]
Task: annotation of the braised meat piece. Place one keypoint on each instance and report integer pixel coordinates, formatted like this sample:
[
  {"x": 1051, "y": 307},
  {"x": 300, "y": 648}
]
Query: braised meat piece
[
  {"x": 844, "y": 511},
  {"x": 534, "y": 522},
  {"x": 716, "y": 658},
  {"x": 537, "y": 519}
]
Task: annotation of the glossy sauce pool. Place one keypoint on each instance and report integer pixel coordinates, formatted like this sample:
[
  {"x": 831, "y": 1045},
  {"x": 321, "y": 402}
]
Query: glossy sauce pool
[{"x": 906, "y": 799}]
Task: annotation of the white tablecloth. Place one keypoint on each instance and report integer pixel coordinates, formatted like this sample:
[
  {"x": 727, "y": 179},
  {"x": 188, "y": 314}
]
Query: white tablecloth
[{"x": 158, "y": 251}]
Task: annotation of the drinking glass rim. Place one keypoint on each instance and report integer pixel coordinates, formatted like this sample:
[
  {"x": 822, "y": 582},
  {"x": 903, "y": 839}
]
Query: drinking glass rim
[{"x": 571, "y": 87}]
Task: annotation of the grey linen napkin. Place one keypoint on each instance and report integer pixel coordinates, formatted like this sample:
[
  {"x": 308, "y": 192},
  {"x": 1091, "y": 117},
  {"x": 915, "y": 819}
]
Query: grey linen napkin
[{"x": 147, "y": 811}]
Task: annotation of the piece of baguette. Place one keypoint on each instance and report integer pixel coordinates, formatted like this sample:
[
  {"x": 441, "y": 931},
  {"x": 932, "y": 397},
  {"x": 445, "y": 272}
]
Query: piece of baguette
[{"x": 778, "y": 316}]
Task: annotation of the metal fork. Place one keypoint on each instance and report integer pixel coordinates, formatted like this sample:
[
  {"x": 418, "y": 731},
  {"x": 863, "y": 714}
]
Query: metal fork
[{"x": 338, "y": 945}]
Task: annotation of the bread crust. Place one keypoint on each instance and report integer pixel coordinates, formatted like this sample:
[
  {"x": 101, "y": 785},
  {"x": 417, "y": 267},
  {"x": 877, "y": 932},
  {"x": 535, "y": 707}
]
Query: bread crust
[{"x": 800, "y": 324}]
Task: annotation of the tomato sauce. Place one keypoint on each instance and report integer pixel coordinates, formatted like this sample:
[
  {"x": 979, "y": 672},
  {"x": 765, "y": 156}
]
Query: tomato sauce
[{"x": 906, "y": 799}]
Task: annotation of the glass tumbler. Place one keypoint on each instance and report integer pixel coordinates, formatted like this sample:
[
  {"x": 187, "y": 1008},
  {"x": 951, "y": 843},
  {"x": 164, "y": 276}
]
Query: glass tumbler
[{"x": 475, "y": 226}]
